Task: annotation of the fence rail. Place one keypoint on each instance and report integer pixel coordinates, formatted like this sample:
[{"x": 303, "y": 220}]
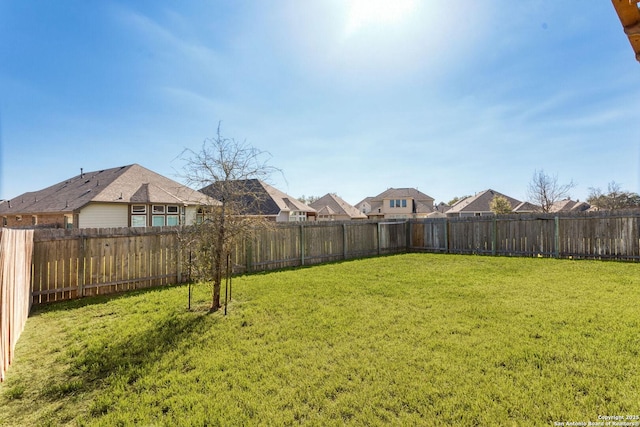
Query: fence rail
[{"x": 70, "y": 264}]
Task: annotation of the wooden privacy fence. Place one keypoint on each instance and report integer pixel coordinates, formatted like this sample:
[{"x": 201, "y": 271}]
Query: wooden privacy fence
[
  {"x": 15, "y": 300},
  {"x": 69, "y": 264},
  {"x": 606, "y": 235},
  {"x": 293, "y": 245}
]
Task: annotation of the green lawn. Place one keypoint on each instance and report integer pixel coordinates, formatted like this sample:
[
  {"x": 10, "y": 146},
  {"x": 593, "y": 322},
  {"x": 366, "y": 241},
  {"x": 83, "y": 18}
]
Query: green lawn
[{"x": 418, "y": 339}]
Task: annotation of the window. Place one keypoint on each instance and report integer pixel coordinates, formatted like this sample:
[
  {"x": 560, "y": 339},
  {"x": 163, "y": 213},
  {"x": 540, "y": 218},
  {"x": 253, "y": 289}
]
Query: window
[
  {"x": 397, "y": 203},
  {"x": 392, "y": 203},
  {"x": 162, "y": 215},
  {"x": 297, "y": 216},
  {"x": 404, "y": 203},
  {"x": 138, "y": 220}
]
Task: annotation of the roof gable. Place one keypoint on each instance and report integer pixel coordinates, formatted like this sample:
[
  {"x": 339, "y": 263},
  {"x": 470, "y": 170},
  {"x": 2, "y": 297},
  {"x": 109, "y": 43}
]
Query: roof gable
[
  {"x": 258, "y": 198},
  {"x": 331, "y": 204},
  {"x": 284, "y": 201},
  {"x": 140, "y": 185},
  {"x": 481, "y": 202},
  {"x": 526, "y": 207},
  {"x": 568, "y": 205}
]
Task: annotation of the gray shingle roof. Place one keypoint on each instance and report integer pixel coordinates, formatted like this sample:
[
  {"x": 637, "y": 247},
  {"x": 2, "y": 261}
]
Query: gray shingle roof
[
  {"x": 393, "y": 193},
  {"x": 568, "y": 205},
  {"x": 481, "y": 202},
  {"x": 259, "y": 198},
  {"x": 331, "y": 204},
  {"x": 124, "y": 184}
]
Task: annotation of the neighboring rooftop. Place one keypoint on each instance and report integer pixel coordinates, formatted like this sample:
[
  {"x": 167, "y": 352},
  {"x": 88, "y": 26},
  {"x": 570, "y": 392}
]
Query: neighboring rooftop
[
  {"x": 124, "y": 184},
  {"x": 332, "y": 205},
  {"x": 259, "y": 198},
  {"x": 423, "y": 203},
  {"x": 568, "y": 205},
  {"x": 481, "y": 202}
]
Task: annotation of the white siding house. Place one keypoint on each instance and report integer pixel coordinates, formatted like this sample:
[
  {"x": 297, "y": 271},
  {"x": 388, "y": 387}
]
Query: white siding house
[{"x": 126, "y": 196}]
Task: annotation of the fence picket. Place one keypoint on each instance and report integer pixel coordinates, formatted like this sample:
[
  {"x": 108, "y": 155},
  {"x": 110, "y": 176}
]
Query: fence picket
[{"x": 16, "y": 249}]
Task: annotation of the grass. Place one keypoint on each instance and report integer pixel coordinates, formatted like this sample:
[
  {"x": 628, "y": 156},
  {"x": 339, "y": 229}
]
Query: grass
[{"x": 418, "y": 339}]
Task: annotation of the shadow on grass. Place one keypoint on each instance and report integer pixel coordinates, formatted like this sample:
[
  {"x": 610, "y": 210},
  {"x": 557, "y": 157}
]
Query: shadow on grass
[
  {"x": 38, "y": 309},
  {"x": 123, "y": 357}
]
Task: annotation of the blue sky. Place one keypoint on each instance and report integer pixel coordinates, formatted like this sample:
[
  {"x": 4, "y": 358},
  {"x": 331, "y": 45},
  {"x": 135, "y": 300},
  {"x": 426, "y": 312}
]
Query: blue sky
[{"x": 348, "y": 96}]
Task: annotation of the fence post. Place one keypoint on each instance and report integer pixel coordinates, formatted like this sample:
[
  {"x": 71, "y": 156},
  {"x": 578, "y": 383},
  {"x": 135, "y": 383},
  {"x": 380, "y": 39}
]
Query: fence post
[
  {"x": 344, "y": 241},
  {"x": 81, "y": 264},
  {"x": 179, "y": 254},
  {"x": 446, "y": 236},
  {"x": 494, "y": 232},
  {"x": 556, "y": 251},
  {"x": 379, "y": 238},
  {"x": 249, "y": 251},
  {"x": 302, "y": 243}
]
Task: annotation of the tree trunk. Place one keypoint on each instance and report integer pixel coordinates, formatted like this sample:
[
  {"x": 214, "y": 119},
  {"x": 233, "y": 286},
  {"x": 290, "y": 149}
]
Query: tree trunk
[
  {"x": 215, "y": 302},
  {"x": 218, "y": 261},
  {"x": 217, "y": 279}
]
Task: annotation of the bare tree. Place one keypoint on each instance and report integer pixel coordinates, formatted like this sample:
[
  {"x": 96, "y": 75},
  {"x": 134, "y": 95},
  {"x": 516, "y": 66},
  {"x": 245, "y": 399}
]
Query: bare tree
[
  {"x": 230, "y": 169},
  {"x": 544, "y": 190},
  {"x": 615, "y": 198},
  {"x": 500, "y": 205}
]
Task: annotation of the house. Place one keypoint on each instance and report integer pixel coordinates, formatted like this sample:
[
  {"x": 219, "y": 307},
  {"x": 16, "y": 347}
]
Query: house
[
  {"x": 480, "y": 205},
  {"x": 261, "y": 199},
  {"x": 125, "y": 196},
  {"x": 397, "y": 203},
  {"x": 568, "y": 205},
  {"x": 330, "y": 207}
]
